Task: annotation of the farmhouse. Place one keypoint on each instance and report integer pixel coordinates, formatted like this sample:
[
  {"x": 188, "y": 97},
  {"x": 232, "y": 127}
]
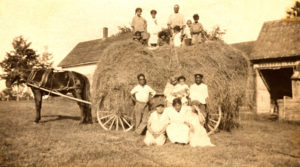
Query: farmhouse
[{"x": 276, "y": 59}]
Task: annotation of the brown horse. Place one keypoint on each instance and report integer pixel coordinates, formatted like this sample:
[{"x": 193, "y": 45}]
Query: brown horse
[{"x": 63, "y": 82}]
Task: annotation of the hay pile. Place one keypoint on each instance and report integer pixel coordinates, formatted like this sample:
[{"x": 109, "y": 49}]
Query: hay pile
[{"x": 223, "y": 67}]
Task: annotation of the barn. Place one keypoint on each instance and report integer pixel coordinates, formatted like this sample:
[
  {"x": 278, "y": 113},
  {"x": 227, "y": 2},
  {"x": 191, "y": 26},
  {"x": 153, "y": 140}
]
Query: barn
[{"x": 275, "y": 57}]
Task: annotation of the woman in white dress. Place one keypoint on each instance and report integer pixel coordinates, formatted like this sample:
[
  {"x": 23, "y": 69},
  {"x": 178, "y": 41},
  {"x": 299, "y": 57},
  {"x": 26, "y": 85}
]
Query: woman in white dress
[
  {"x": 198, "y": 135},
  {"x": 156, "y": 127},
  {"x": 178, "y": 129},
  {"x": 153, "y": 29}
]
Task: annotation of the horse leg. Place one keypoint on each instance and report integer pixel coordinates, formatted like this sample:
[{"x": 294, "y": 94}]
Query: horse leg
[
  {"x": 77, "y": 94},
  {"x": 38, "y": 104},
  {"x": 88, "y": 111}
]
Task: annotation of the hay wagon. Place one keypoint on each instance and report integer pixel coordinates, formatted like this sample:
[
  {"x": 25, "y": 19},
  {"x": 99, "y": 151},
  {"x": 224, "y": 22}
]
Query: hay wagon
[{"x": 117, "y": 117}]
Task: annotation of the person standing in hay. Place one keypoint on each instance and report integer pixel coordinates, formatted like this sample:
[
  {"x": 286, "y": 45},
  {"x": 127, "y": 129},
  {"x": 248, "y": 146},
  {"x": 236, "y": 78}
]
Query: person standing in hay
[
  {"x": 139, "y": 27},
  {"x": 176, "y": 19},
  {"x": 153, "y": 29},
  {"x": 197, "y": 30},
  {"x": 199, "y": 94},
  {"x": 141, "y": 95}
]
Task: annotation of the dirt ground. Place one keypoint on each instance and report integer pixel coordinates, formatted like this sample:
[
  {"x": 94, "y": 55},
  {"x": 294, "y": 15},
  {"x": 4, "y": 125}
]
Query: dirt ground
[{"x": 58, "y": 140}]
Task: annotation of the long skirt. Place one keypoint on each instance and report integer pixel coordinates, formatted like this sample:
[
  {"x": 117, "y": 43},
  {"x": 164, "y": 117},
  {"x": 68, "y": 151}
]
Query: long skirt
[
  {"x": 178, "y": 132},
  {"x": 150, "y": 139}
]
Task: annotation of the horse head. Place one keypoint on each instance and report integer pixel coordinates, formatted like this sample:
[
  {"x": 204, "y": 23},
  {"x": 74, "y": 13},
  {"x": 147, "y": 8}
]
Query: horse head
[{"x": 14, "y": 76}]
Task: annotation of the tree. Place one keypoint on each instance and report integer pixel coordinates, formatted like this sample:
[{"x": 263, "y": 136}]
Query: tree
[
  {"x": 294, "y": 11},
  {"x": 20, "y": 60},
  {"x": 216, "y": 33},
  {"x": 46, "y": 60}
]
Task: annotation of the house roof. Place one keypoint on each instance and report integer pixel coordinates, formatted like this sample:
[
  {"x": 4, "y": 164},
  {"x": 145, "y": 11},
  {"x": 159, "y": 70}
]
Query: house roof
[
  {"x": 88, "y": 52},
  {"x": 245, "y": 47},
  {"x": 277, "y": 39}
]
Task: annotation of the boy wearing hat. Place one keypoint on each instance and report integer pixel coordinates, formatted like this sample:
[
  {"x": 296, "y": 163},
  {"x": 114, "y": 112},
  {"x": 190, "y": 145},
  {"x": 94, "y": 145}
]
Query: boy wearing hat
[
  {"x": 199, "y": 93},
  {"x": 141, "y": 95},
  {"x": 156, "y": 127}
]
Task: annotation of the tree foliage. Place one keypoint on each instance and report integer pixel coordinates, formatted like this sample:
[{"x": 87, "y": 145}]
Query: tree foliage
[
  {"x": 22, "y": 58},
  {"x": 294, "y": 11},
  {"x": 46, "y": 59}
]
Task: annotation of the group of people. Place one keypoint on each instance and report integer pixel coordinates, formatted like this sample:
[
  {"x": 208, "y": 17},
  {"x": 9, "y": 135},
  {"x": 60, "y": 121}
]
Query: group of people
[
  {"x": 181, "y": 117},
  {"x": 183, "y": 33}
]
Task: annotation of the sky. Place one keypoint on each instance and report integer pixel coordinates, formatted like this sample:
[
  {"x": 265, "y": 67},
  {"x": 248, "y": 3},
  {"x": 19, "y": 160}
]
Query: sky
[{"x": 61, "y": 24}]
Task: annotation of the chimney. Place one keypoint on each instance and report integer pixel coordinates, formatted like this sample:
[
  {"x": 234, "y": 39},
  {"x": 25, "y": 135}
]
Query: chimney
[{"x": 105, "y": 32}]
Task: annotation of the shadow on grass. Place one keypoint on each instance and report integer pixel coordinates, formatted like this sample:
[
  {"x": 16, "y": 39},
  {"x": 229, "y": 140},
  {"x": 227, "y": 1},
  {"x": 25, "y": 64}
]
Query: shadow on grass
[{"x": 58, "y": 118}]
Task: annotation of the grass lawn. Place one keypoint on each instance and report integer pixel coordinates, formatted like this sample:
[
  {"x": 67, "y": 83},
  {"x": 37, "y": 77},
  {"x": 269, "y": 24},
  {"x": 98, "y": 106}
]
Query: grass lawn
[{"x": 60, "y": 141}]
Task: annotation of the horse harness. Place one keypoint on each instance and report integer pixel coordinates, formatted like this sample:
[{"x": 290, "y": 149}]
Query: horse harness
[{"x": 47, "y": 78}]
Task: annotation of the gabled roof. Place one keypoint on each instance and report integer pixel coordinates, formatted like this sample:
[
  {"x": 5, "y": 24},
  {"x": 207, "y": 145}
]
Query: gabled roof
[
  {"x": 277, "y": 39},
  {"x": 88, "y": 52},
  {"x": 245, "y": 47}
]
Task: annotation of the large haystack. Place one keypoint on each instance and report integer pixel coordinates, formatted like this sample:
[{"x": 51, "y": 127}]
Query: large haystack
[{"x": 224, "y": 69}]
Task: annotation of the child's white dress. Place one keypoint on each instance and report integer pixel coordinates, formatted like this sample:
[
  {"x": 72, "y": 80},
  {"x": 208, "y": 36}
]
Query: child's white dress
[
  {"x": 182, "y": 91},
  {"x": 199, "y": 137},
  {"x": 158, "y": 122},
  {"x": 177, "y": 39},
  {"x": 153, "y": 29}
]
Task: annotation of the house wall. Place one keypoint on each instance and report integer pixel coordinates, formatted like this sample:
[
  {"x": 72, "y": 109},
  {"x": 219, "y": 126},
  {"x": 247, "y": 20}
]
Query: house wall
[
  {"x": 263, "y": 99},
  {"x": 289, "y": 109},
  {"x": 87, "y": 70}
]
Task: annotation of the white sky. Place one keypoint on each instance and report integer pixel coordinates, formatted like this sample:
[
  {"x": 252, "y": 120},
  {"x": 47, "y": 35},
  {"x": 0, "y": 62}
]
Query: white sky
[{"x": 61, "y": 24}]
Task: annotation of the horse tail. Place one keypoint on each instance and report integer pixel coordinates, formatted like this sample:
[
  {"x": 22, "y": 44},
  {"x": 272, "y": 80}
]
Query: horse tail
[
  {"x": 87, "y": 96},
  {"x": 86, "y": 90}
]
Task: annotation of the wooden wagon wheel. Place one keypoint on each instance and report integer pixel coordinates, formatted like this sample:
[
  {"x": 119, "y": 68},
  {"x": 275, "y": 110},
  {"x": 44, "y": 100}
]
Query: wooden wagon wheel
[
  {"x": 214, "y": 120},
  {"x": 115, "y": 119}
]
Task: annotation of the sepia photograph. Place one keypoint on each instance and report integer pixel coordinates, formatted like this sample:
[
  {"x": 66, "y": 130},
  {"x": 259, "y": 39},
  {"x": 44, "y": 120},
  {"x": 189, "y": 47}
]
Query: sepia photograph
[{"x": 125, "y": 83}]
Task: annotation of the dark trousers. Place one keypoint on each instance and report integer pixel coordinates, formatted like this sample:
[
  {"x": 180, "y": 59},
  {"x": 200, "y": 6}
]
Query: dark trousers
[{"x": 140, "y": 112}]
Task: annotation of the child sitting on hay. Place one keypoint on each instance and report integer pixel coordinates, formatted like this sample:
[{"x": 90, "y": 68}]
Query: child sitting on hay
[
  {"x": 156, "y": 127},
  {"x": 141, "y": 95},
  {"x": 177, "y": 36}
]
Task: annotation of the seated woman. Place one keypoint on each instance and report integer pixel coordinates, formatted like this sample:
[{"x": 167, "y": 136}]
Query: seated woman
[
  {"x": 198, "y": 135},
  {"x": 178, "y": 129},
  {"x": 156, "y": 127}
]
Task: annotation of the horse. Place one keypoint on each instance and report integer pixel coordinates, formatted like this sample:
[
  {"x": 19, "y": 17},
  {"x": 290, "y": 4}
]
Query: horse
[{"x": 60, "y": 81}]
